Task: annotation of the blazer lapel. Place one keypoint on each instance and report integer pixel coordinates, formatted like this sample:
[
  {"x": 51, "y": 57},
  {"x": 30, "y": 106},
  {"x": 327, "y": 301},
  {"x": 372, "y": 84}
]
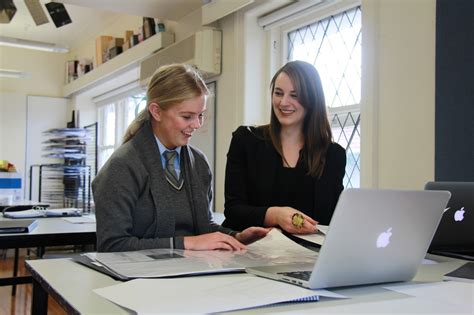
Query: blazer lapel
[{"x": 145, "y": 142}]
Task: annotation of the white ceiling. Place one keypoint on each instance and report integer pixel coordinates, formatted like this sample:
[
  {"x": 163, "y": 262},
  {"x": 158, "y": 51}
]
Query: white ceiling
[{"x": 89, "y": 17}]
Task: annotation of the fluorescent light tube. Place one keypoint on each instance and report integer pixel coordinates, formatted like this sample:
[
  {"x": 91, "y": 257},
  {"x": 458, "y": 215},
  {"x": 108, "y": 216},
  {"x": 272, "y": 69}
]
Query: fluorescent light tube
[
  {"x": 31, "y": 44},
  {"x": 13, "y": 74}
]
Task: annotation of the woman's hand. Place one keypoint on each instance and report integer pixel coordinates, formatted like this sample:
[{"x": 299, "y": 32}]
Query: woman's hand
[
  {"x": 252, "y": 234},
  {"x": 211, "y": 241},
  {"x": 283, "y": 217}
]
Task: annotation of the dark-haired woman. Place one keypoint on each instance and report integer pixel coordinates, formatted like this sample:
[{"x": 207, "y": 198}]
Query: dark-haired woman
[{"x": 288, "y": 173}]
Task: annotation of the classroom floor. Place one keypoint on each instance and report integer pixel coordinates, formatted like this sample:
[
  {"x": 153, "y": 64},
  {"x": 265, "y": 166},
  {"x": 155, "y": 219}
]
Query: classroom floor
[{"x": 20, "y": 304}]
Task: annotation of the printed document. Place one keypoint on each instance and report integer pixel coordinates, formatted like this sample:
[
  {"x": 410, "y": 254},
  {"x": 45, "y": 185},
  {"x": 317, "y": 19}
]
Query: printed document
[
  {"x": 206, "y": 294},
  {"x": 316, "y": 238},
  {"x": 274, "y": 249}
]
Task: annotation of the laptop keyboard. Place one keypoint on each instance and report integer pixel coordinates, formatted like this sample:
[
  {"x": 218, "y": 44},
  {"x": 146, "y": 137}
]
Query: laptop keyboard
[{"x": 303, "y": 275}]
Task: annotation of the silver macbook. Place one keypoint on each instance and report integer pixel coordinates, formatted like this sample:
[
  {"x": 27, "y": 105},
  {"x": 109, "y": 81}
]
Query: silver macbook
[
  {"x": 374, "y": 236},
  {"x": 455, "y": 236}
]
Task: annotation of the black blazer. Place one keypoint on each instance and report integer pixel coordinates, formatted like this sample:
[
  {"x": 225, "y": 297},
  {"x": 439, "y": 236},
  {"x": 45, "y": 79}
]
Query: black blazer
[{"x": 250, "y": 172}]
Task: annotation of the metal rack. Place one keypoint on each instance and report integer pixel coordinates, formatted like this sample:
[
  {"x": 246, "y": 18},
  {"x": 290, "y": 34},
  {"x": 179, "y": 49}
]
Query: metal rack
[
  {"x": 67, "y": 183},
  {"x": 91, "y": 148},
  {"x": 63, "y": 186}
]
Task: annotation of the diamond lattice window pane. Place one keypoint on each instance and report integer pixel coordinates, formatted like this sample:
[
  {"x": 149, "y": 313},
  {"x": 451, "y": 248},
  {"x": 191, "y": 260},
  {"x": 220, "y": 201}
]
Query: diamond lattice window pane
[{"x": 333, "y": 46}]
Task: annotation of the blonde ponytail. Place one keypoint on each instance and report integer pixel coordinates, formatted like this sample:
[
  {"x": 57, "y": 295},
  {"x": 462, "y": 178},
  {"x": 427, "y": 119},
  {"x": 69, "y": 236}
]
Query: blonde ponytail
[{"x": 136, "y": 124}]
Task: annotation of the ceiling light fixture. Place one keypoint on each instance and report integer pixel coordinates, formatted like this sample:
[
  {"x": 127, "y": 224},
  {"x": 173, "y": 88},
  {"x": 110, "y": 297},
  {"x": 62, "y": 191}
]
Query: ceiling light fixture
[
  {"x": 5, "y": 73},
  {"x": 31, "y": 44}
]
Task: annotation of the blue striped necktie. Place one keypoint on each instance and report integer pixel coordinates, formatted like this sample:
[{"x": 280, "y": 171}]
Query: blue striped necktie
[{"x": 170, "y": 172}]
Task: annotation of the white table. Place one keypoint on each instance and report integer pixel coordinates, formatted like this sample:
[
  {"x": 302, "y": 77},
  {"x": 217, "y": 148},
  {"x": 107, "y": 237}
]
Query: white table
[
  {"x": 49, "y": 232},
  {"x": 71, "y": 284}
]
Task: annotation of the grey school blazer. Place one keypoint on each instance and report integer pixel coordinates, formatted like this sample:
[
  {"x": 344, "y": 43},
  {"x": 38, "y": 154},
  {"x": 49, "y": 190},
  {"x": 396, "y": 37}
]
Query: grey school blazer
[{"x": 132, "y": 199}]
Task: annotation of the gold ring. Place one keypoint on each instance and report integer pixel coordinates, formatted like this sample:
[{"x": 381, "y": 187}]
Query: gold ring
[{"x": 297, "y": 220}]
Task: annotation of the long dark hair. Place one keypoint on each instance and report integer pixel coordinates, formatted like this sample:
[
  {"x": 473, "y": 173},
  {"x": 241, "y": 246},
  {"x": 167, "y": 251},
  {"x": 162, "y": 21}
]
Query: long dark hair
[{"x": 316, "y": 128}]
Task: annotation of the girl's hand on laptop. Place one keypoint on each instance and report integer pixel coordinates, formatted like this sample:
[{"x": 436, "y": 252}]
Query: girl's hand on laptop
[{"x": 291, "y": 220}]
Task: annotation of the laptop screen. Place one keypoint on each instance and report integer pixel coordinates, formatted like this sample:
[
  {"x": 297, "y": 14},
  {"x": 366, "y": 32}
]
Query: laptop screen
[{"x": 454, "y": 232}]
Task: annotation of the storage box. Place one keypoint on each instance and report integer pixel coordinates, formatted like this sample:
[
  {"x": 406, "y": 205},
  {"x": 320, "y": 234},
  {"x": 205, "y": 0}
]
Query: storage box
[
  {"x": 128, "y": 36},
  {"x": 116, "y": 42},
  {"x": 114, "y": 51},
  {"x": 126, "y": 45},
  {"x": 101, "y": 46},
  {"x": 11, "y": 185}
]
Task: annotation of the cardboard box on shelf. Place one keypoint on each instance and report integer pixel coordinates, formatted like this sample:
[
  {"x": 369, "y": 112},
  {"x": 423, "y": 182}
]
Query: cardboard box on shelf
[
  {"x": 114, "y": 51},
  {"x": 116, "y": 42},
  {"x": 128, "y": 36},
  {"x": 126, "y": 45},
  {"x": 101, "y": 46},
  {"x": 148, "y": 27},
  {"x": 71, "y": 70},
  {"x": 135, "y": 41}
]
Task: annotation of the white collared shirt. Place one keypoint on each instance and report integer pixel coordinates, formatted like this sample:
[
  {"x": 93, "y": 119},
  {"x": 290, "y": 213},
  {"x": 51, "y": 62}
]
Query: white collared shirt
[{"x": 162, "y": 148}]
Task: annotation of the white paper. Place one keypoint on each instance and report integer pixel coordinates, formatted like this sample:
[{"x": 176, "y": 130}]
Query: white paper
[
  {"x": 451, "y": 292},
  {"x": 274, "y": 249},
  {"x": 316, "y": 238},
  {"x": 203, "y": 294},
  {"x": 404, "y": 305},
  {"x": 428, "y": 262},
  {"x": 323, "y": 228},
  {"x": 80, "y": 220}
]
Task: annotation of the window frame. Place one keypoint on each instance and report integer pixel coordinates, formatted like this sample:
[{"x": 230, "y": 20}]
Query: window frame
[
  {"x": 119, "y": 102},
  {"x": 280, "y": 38}
]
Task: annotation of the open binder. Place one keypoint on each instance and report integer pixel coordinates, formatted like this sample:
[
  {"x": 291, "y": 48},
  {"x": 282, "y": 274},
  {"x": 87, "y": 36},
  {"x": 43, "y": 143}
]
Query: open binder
[{"x": 39, "y": 212}]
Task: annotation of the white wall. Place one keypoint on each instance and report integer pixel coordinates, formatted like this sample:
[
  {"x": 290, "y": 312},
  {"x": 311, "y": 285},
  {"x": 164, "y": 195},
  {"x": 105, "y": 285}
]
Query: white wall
[
  {"x": 46, "y": 77},
  {"x": 13, "y": 129},
  {"x": 46, "y": 71},
  {"x": 398, "y": 93},
  {"x": 42, "y": 113}
]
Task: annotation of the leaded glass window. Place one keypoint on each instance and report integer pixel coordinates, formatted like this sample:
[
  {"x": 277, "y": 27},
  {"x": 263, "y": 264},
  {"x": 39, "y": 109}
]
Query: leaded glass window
[{"x": 333, "y": 46}]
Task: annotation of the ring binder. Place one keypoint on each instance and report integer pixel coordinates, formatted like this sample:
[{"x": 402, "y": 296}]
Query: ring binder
[{"x": 42, "y": 212}]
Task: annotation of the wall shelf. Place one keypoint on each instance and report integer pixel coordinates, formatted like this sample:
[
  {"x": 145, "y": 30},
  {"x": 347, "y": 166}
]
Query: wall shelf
[{"x": 123, "y": 62}]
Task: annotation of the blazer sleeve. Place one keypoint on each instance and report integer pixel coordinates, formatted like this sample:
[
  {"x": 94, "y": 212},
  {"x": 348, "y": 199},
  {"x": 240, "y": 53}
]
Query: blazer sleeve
[{"x": 239, "y": 211}]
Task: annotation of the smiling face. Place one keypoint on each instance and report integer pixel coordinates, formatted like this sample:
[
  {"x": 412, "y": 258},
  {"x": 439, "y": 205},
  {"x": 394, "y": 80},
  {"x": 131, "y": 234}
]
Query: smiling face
[
  {"x": 175, "y": 125},
  {"x": 287, "y": 108}
]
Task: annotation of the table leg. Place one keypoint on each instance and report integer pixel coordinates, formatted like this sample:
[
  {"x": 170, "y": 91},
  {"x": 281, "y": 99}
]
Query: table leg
[
  {"x": 15, "y": 269},
  {"x": 39, "y": 304}
]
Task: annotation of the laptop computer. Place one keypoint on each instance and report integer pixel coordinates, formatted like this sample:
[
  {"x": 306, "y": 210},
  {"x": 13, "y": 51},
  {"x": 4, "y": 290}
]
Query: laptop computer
[
  {"x": 374, "y": 236},
  {"x": 454, "y": 236}
]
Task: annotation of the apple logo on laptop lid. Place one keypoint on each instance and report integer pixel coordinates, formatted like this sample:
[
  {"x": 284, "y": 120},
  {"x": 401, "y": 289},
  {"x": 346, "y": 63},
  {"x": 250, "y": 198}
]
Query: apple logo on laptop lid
[
  {"x": 459, "y": 215},
  {"x": 384, "y": 238}
]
